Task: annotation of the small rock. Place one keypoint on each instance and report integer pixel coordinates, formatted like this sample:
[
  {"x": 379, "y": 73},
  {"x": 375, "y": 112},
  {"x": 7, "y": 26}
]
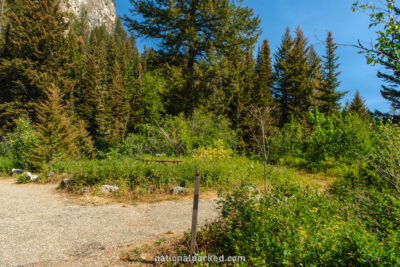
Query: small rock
[
  {"x": 109, "y": 188},
  {"x": 17, "y": 171},
  {"x": 51, "y": 174},
  {"x": 83, "y": 191},
  {"x": 31, "y": 177},
  {"x": 65, "y": 182},
  {"x": 178, "y": 190}
]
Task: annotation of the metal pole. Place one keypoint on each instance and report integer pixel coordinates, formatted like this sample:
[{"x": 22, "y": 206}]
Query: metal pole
[{"x": 193, "y": 243}]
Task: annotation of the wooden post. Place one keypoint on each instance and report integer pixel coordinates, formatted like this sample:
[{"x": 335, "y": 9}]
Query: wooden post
[{"x": 193, "y": 243}]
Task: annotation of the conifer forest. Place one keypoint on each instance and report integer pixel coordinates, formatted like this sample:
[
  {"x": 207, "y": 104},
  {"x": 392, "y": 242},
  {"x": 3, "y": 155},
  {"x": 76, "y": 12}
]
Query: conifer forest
[{"x": 303, "y": 177}]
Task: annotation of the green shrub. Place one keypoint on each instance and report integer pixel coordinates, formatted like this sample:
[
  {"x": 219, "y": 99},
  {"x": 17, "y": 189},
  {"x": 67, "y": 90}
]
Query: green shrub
[
  {"x": 21, "y": 141},
  {"x": 329, "y": 144},
  {"x": 299, "y": 227},
  {"x": 180, "y": 136},
  {"x": 6, "y": 165}
]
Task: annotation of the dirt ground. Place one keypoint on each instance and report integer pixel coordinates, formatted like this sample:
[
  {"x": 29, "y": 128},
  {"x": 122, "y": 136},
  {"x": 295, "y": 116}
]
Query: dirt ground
[{"x": 42, "y": 227}]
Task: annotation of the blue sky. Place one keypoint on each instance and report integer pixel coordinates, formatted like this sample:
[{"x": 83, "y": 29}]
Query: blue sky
[{"x": 316, "y": 17}]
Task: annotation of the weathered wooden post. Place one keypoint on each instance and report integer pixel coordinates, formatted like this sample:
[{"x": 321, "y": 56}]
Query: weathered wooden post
[{"x": 193, "y": 242}]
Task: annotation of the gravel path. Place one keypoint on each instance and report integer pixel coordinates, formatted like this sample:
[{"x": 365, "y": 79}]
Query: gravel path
[{"x": 39, "y": 227}]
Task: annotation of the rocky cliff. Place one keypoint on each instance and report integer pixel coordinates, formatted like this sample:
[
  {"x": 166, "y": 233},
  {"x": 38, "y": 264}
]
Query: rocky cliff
[{"x": 99, "y": 11}]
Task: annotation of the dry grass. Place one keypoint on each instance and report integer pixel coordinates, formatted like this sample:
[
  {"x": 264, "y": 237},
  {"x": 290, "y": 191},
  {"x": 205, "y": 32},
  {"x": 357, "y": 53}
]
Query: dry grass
[
  {"x": 144, "y": 255},
  {"x": 126, "y": 197}
]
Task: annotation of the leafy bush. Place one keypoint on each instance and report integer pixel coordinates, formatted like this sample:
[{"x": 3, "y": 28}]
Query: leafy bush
[
  {"x": 296, "y": 227},
  {"x": 6, "y": 165},
  {"x": 216, "y": 152},
  {"x": 21, "y": 141},
  {"x": 327, "y": 144},
  {"x": 179, "y": 135}
]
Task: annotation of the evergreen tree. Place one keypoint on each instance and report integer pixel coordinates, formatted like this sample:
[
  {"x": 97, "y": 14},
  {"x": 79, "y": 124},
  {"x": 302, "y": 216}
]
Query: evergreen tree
[
  {"x": 315, "y": 74},
  {"x": 117, "y": 106},
  {"x": 328, "y": 96},
  {"x": 282, "y": 76},
  {"x": 83, "y": 140},
  {"x": 88, "y": 98},
  {"x": 357, "y": 105},
  {"x": 293, "y": 89},
  {"x": 34, "y": 56},
  {"x": 56, "y": 138},
  {"x": 189, "y": 31},
  {"x": 301, "y": 88},
  {"x": 264, "y": 77}
]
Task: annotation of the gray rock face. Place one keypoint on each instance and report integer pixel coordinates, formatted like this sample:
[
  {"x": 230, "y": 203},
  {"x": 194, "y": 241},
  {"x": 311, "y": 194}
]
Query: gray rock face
[
  {"x": 99, "y": 11},
  {"x": 109, "y": 188}
]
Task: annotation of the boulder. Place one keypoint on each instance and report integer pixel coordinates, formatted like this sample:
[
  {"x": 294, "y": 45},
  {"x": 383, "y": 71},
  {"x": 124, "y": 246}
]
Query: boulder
[
  {"x": 31, "y": 177},
  {"x": 50, "y": 175},
  {"x": 109, "y": 188}
]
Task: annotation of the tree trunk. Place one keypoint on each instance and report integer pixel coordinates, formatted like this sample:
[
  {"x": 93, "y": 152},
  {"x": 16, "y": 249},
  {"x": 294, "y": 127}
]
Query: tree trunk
[{"x": 1, "y": 16}]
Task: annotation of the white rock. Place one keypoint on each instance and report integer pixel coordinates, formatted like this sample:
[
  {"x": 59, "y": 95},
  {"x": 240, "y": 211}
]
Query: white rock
[
  {"x": 51, "y": 174},
  {"x": 31, "y": 176},
  {"x": 109, "y": 188},
  {"x": 178, "y": 190}
]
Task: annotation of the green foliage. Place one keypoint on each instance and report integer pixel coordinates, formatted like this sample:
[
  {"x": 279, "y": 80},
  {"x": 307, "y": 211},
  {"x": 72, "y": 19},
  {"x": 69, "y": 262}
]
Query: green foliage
[
  {"x": 54, "y": 131},
  {"x": 133, "y": 173},
  {"x": 383, "y": 16},
  {"x": 6, "y": 164},
  {"x": 385, "y": 157},
  {"x": 191, "y": 31},
  {"x": 328, "y": 143},
  {"x": 328, "y": 97},
  {"x": 147, "y": 104},
  {"x": 34, "y": 56},
  {"x": 294, "y": 82},
  {"x": 357, "y": 105},
  {"x": 4, "y": 147},
  {"x": 21, "y": 141},
  {"x": 295, "y": 227},
  {"x": 179, "y": 135}
]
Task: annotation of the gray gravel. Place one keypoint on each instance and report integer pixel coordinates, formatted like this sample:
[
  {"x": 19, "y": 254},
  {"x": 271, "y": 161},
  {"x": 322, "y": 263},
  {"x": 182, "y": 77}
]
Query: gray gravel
[{"x": 40, "y": 227}]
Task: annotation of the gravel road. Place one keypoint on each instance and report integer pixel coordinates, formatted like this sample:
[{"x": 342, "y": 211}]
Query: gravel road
[{"x": 39, "y": 227}]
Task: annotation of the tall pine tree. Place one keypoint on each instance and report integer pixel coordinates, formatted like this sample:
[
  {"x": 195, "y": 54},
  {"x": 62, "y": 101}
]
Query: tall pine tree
[
  {"x": 56, "y": 136},
  {"x": 264, "y": 77},
  {"x": 328, "y": 97},
  {"x": 282, "y": 76},
  {"x": 293, "y": 88}
]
